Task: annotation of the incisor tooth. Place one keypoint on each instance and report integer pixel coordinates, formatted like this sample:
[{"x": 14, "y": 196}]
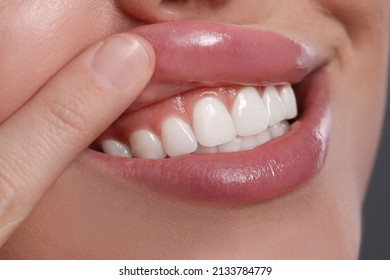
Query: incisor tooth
[
  {"x": 177, "y": 137},
  {"x": 212, "y": 123},
  {"x": 249, "y": 113},
  {"x": 144, "y": 144},
  {"x": 274, "y": 105}
]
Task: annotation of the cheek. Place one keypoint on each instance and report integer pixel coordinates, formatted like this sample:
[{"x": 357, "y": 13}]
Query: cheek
[{"x": 39, "y": 38}]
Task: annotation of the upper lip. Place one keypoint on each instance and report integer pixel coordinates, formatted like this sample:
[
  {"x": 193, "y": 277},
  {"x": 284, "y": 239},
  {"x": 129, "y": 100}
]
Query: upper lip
[{"x": 196, "y": 54}]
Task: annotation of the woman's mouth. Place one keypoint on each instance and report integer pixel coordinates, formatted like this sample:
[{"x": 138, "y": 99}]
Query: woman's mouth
[{"x": 219, "y": 120}]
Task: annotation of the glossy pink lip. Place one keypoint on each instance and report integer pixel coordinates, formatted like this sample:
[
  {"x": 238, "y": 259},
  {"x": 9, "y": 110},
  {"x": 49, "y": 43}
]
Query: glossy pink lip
[
  {"x": 273, "y": 169},
  {"x": 191, "y": 54}
]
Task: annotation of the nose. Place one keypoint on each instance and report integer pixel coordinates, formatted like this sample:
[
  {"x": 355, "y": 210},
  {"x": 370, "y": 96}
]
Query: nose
[{"x": 231, "y": 11}]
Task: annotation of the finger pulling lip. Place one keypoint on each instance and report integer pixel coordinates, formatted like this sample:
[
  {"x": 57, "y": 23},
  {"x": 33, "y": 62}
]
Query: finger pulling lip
[{"x": 203, "y": 51}]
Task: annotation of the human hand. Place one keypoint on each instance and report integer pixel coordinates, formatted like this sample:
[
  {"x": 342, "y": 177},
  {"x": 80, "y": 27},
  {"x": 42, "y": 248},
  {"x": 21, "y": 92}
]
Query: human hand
[{"x": 44, "y": 136}]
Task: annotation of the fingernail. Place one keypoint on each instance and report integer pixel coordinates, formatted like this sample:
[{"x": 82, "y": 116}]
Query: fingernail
[{"x": 120, "y": 61}]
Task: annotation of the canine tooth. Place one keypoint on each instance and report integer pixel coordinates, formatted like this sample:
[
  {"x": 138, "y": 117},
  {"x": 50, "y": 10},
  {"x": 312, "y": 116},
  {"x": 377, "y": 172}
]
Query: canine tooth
[
  {"x": 249, "y": 113},
  {"x": 264, "y": 137},
  {"x": 177, "y": 137},
  {"x": 289, "y": 102},
  {"x": 274, "y": 105},
  {"x": 115, "y": 148},
  {"x": 144, "y": 144},
  {"x": 212, "y": 123},
  {"x": 232, "y": 146},
  {"x": 250, "y": 142},
  {"x": 206, "y": 150},
  {"x": 279, "y": 129}
]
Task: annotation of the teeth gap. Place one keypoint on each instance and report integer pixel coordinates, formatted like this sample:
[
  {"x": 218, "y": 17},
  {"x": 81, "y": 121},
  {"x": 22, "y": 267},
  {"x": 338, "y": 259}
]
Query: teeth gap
[{"x": 226, "y": 135}]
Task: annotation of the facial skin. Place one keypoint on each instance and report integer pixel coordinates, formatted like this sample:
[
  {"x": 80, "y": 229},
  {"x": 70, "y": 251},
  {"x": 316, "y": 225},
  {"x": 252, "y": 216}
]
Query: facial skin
[{"x": 85, "y": 215}]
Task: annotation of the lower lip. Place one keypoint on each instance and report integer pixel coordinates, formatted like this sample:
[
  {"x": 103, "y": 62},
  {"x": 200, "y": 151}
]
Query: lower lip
[{"x": 276, "y": 168}]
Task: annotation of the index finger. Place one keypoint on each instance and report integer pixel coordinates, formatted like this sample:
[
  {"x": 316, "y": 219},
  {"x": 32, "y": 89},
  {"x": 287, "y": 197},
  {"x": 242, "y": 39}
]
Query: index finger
[{"x": 64, "y": 117}]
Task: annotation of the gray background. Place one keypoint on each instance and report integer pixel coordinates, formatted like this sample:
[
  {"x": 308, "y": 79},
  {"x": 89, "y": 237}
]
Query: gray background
[{"x": 376, "y": 214}]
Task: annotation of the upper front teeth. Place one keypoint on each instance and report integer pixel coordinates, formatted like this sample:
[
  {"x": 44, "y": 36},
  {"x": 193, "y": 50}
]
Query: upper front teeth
[
  {"x": 212, "y": 122},
  {"x": 248, "y": 107},
  {"x": 253, "y": 119}
]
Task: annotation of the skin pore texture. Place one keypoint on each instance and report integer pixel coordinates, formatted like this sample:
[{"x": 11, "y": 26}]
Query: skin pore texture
[{"x": 89, "y": 215}]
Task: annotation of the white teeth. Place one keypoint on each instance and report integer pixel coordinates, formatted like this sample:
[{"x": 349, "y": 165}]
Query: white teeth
[
  {"x": 264, "y": 137},
  {"x": 249, "y": 113},
  {"x": 289, "y": 102},
  {"x": 115, "y": 148},
  {"x": 249, "y": 142},
  {"x": 242, "y": 143},
  {"x": 255, "y": 119},
  {"x": 145, "y": 144},
  {"x": 274, "y": 105},
  {"x": 279, "y": 129},
  {"x": 177, "y": 137},
  {"x": 232, "y": 146},
  {"x": 212, "y": 123},
  {"x": 206, "y": 150}
]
